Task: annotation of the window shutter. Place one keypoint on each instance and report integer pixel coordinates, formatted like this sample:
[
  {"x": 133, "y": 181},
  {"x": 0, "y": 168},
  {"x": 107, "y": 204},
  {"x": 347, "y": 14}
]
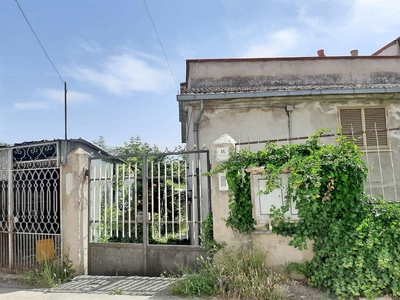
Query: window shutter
[
  {"x": 376, "y": 116},
  {"x": 351, "y": 122}
]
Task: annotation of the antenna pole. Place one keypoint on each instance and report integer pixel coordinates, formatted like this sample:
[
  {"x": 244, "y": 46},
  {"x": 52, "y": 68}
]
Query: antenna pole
[{"x": 65, "y": 109}]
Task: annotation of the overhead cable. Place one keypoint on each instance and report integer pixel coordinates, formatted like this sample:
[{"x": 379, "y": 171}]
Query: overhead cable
[
  {"x": 159, "y": 40},
  {"x": 26, "y": 19}
]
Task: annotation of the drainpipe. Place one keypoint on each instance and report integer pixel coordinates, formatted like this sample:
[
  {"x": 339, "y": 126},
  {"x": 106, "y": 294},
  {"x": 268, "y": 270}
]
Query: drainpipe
[
  {"x": 196, "y": 227},
  {"x": 196, "y": 124},
  {"x": 289, "y": 109}
]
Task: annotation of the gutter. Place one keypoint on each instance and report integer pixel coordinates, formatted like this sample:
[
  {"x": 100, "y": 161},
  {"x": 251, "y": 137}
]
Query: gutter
[{"x": 222, "y": 96}]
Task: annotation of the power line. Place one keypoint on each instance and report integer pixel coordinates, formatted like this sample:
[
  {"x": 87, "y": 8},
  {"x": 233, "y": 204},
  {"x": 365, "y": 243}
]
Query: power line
[
  {"x": 159, "y": 40},
  {"x": 26, "y": 19}
]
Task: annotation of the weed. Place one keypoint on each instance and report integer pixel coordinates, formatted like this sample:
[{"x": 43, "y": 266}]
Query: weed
[
  {"x": 235, "y": 273},
  {"x": 207, "y": 235},
  {"x": 300, "y": 268},
  {"x": 50, "y": 273},
  {"x": 116, "y": 292}
]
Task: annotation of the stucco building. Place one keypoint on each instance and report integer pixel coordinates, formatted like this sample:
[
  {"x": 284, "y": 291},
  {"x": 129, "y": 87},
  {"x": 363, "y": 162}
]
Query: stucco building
[{"x": 227, "y": 102}]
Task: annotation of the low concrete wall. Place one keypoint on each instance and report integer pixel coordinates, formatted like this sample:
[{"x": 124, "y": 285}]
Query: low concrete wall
[
  {"x": 121, "y": 259},
  {"x": 115, "y": 259}
]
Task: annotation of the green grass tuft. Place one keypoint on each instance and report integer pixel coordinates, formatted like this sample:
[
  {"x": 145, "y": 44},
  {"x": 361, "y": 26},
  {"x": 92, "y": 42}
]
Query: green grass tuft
[
  {"x": 237, "y": 272},
  {"x": 50, "y": 273}
]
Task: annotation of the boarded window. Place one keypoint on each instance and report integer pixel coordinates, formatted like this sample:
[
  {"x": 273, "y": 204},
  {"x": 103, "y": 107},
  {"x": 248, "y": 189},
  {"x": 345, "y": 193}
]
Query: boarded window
[
  {"x": 366, "y": 124},
  {"x": 264, "y": 202}
]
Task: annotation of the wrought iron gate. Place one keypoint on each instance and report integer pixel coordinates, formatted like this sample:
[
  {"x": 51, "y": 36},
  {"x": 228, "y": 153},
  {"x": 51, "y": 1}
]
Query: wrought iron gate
[
  {"x": 29, "y": 205},
  {"x": 147, "y": 199}
]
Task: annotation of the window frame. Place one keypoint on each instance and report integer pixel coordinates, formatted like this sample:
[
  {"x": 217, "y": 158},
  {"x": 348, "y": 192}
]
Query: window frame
[
  {"x": 364, "y": 145},
  {"x": 261, "y": 201}
]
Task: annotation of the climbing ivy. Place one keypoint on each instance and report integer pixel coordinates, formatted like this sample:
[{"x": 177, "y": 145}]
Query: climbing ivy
[{"x": 356, "y": 237}]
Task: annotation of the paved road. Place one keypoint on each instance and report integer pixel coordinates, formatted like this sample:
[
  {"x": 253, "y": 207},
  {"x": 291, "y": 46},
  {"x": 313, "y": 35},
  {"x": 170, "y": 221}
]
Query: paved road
[{"x": 90, "y": 287}]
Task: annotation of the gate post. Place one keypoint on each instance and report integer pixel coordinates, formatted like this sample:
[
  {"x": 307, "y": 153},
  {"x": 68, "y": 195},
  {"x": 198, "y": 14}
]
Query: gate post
[
  {"x": 220, "y": 150},
  {"x": 10, "y": 208},
  {"x": 75, "y": 209}
]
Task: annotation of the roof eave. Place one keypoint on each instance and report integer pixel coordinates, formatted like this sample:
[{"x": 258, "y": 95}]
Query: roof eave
[{"x": 266, "y": 94}]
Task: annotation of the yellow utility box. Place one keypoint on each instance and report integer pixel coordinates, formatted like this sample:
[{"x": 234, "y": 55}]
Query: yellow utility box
[{"x": 44, "y": 250}]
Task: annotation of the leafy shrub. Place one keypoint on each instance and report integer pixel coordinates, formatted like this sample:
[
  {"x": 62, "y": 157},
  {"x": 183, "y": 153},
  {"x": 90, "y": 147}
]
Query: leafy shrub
[
  {"x": 356, "y": 237},
  {"x": 207, "y": 235},
  {"x": 237, "y": 272}
]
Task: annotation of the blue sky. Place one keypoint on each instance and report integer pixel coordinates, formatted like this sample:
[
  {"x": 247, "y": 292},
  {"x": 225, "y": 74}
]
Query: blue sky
[{"x": 119, "y": 83}]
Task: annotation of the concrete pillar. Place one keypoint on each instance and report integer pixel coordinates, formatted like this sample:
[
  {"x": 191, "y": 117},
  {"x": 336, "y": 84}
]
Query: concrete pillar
[
  {"x": 75, "y": 209},
  {"x": 219, "y": 152}
]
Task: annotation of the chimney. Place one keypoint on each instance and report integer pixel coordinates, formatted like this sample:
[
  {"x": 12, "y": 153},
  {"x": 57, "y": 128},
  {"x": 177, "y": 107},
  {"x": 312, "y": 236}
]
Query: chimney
[
  {"x": 321, "y": 53},
  {"x": 354, "y": 52}
]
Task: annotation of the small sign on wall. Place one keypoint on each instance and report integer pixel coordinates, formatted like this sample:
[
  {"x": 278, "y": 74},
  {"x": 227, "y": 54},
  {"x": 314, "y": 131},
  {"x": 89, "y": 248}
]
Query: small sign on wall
[
  {"x": 222, "y": 153},
  {"x": 222, "y": 183}
]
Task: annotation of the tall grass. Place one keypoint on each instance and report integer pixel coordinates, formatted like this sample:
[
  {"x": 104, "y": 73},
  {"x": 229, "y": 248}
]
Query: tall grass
[
  {"x": 50, "y": 273},
  {"x": 236, "y": 272}
]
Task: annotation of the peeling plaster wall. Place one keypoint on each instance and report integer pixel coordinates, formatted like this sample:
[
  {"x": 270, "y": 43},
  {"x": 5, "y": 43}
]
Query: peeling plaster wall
[
  {"x": 75, "y": 209},
  {"x": 297, "y": 73},
  {"x": 264, "y": 119}
]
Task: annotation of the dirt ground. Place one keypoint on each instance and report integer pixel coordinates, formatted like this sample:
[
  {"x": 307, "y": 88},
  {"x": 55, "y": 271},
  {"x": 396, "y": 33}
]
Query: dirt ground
[{"x": 297, "y": 290}]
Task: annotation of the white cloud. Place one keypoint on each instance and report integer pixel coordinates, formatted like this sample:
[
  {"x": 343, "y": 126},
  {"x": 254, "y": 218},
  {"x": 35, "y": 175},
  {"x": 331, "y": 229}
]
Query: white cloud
[
  {"x": 58, "y": 95},
  {"x": 338, "y": 27},
  {"x": 52, "y": 98},
  {"x": 126, "y": 73},
  {"x": 351, "y": 18},
  {"x": 374, "y": 15},
  {"x": 90, "y": 46},
  {"x": 34, "y": 105},
  {"x": 278, "y": 43}
]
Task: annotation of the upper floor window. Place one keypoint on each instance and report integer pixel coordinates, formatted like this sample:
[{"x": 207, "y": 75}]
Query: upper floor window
[{"x": 366, "y": 124}]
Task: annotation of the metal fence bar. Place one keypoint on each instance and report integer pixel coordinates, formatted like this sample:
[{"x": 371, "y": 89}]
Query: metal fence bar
[
  {"x": 200, "y": 192},
  {"x": 379, "y": 159},
  {"x": 152, "y": 197},
  {"x": 99, "y": 182},
  {"x": 187, "y": 212},
  {"x": 165, "y": 201},
  {"x": 393, "y": 173},
  {"x": 136, "y": 200},
  {"x": 123, "y": 200},
  {"x": 172, "y": 200},
  {"x": 129, "y": 201},
  {"x": 111, "y": 198},
  {"x": 179, "y": 201},
  {"x": 369, "y": 180},
  {"x": 194, "y": 205},
  {"x": 116, "y": 199},
  {"x": 159, "y": 198},
  {"x": 105, "y": 199}
]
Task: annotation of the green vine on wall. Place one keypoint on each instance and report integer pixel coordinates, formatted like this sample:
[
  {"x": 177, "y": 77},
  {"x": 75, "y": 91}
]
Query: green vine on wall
[{"x": 356, "y": 237}]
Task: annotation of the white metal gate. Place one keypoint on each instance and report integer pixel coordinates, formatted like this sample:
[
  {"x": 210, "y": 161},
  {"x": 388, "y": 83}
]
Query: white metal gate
[
  {"x": 29, "y": 205},
  {"x": 147, "y": 199}
]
